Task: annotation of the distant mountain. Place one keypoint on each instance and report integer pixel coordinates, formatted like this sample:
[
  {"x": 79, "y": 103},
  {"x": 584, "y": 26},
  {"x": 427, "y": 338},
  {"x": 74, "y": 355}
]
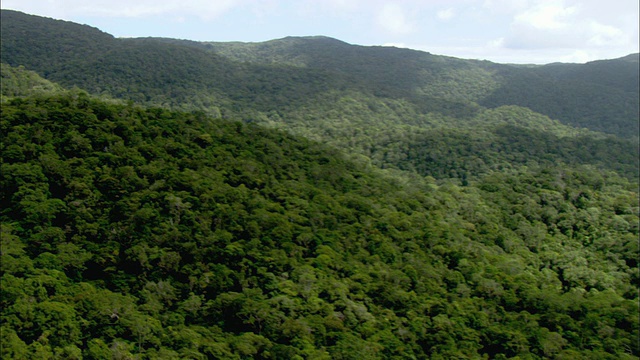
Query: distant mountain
[
  {"x": 385, "y": 104},
  {"x": 43, "y": 44},
  {"x": 600, "y": 96},
  {"x": 138, "y": 69},
  {"x": 390, "y": 71}
]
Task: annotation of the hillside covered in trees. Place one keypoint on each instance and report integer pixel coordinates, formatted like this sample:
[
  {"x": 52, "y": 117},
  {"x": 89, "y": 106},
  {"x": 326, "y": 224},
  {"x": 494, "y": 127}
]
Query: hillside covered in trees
[
  {"x": 288, "y": 74},
  {"x": 266, "y": 201}
]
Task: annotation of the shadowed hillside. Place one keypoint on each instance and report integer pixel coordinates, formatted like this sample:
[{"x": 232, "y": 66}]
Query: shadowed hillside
[{"x": 143, "y": 232}]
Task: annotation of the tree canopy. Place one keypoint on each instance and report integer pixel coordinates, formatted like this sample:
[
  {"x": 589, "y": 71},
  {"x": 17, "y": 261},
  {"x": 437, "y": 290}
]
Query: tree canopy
[
  {"x": 305, "y": 198},
  {"x": 141, "y": 232}
]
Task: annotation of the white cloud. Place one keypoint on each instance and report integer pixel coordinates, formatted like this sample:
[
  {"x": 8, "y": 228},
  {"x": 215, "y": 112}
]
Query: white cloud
[
  {"x": 577, "y": 56},
  {"x": 505, "y": 6},
  {"x": 578, "y": 30},
  {"x": 265, "y": 8},
  {"x": 496, "y": 43},
  {"x": 546, "y": 15},
  {"x": 392, "y": 18},
  {"x": 446, "y": 14},
  {"x": 342, "y": 5},
  {"x": 521, "y": 31},
  {"x": 605, "y": 35},
  {"x": 338, "y": 8}
]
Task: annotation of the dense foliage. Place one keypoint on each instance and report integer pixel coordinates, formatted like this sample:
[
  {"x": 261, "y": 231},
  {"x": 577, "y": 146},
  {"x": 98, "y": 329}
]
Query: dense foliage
[
  {"x": 149, "y": 233},
  {"x": 291, "y": 72},
  {"x": 600, "y": 95},
  {"x": 308, "y": 199},
  {"x": 391, "y": 134},
  {"x": 21, "y": 82}
]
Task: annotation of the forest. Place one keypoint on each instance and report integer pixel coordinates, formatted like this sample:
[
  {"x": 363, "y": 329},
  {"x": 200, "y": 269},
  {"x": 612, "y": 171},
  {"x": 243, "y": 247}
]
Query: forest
[{"x": 165, "y": 199}]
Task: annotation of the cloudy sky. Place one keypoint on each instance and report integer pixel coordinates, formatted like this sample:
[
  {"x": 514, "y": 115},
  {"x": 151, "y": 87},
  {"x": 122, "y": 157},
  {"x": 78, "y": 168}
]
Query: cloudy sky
[{"x": 505, "y": 31}]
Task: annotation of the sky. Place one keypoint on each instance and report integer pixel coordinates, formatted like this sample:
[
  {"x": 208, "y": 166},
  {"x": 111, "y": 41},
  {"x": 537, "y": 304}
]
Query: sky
[{"x": 503, "y": 31}]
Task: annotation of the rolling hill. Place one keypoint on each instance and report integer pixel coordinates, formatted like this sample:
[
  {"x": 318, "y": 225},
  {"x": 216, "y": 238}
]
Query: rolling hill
[
  {"x": 305, "y": 198},
  {"x": 142, "y": 232},
  {"x": 386, "y": 105},
  {"x": 601, "y": 96}
]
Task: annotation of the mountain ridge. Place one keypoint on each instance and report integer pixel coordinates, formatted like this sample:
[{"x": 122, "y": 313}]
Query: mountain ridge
[
  {"x": 431, "y": 82},
  {"x": 356, "y": 103}
]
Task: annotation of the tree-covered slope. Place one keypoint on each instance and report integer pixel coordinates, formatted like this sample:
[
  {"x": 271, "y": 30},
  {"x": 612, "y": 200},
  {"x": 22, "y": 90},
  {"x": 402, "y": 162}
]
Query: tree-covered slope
[
  {"x": 22, "y": 82},
  {"x": 394, "y": 134},
  {"x": 392, "y": 72},
  {"x": 397, "y": 108},
  {"x": 279, "y": 74},
  {"x": 44, "y": 44},
  {"x": 149, "y": 71},
  {"x": 131, "y": 231},
  {"x": 601, "y": 95},
  {"x": 144, "y": 232}
]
